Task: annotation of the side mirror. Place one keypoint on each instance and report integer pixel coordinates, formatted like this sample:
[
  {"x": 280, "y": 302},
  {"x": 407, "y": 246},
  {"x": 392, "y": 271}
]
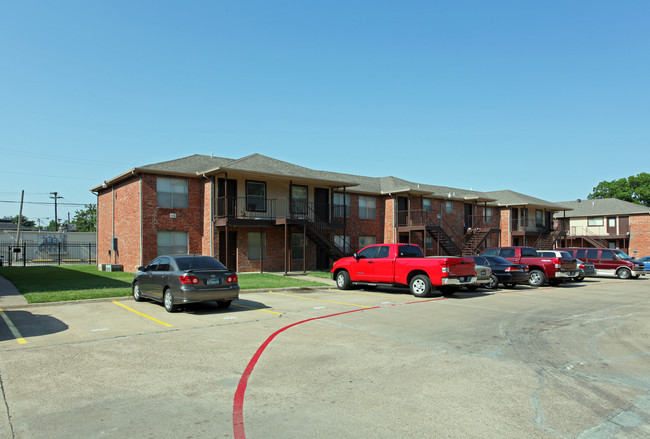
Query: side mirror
[
  {"x": 141, "y": 268},
  {"x": 355, "y": 256}
]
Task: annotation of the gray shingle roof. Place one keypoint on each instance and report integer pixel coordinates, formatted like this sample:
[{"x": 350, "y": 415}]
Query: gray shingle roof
[
  {"x": 197, "y": 164},
  {"x": 511, "y": 198},
  {"x": 602, "y": 207}
]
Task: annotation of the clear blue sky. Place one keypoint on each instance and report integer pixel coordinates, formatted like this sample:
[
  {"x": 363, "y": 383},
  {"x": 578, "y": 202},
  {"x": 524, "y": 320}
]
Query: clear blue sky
[{"x": 546, "y": 98}]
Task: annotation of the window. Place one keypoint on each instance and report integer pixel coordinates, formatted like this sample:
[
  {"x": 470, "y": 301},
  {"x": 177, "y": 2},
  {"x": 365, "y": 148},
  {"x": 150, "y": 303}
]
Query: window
[
  {"x": 299, "y": 200},
  {"x": 491, "y": 252},
  {"x": 367, "y": 240},
  {"x": 539, "y": 218},
  {"x": 428, "y": 242},
  {"x": 297, "y": 246},
  {"x": 507, "y": 253},
  {"x": 342, "y": 242},
  {"x": 449, "y": 207},
  {"x": 368, "y": 253},
  {"x": 592, "y": 254},
  {"x": 580, "y": 254},
  {"x": 256, "y": 244},
  {"x": 171, "y": 192},
  {"x": 341, "y": 206},
  {"x": 607, "y": 255},
  {"x": 172, "y": 243},
  {"x": 611, "y": 223},
  {"x": 426, "y": 205},
  {"x": 489, "y": 215},
  {"x": 256, "y": 196},
  {"x": 596, "y": 221},
  {"x": 164, "y": 264},
  {"x": 367, "y": 207}
]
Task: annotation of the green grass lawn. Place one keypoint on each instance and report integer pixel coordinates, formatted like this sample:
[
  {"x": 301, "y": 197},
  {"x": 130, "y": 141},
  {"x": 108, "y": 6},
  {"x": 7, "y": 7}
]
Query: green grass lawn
[{"x": 79, "y": 282}]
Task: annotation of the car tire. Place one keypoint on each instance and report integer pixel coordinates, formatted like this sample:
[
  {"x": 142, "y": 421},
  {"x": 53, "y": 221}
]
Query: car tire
[
  {"x": 624, "y": 273},
  {"x": 494, "y": 282},
  {"x": 343, "y": 280},
  {"x": 223, "y": 304},
  {"x": 509, "y": 285},
  {"x": 420, "y": 285},
  {"x": 168, "y": 301},
  {"x": 537, "y": 278},
  {"x": 137, "y": 295}
]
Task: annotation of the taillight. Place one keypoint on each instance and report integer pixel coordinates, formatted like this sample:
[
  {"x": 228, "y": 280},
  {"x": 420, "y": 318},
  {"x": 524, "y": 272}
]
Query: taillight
[
  {"x": 445, "y": 269},
  {"x": 187, "y": 279},
  {"x": 582, "y": 266},
  {"x": 232, "y": 279}
]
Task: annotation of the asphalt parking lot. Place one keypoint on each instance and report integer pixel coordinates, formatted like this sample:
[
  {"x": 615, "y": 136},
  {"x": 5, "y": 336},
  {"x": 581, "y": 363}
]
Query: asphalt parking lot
[{"x": 555, "y": 362}]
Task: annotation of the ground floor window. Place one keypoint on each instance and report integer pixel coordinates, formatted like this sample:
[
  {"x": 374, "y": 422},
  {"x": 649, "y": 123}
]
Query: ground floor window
[
  {"x": 367, "y": 240},
  {"x": 256, "y": 246},
  {"x": 172, "y": 243},
  {"x": 297, "y": 240},
  {"x": 342, "y": 242}
]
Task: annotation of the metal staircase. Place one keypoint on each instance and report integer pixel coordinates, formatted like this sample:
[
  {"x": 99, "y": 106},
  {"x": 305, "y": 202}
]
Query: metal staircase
[
  {"x": 445, "y": 241},
  {"x": 547, "y": 242}
]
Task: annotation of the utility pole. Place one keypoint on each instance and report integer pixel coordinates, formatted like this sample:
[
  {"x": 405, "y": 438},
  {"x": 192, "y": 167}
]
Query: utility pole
[{"x": 56, "y": 219}]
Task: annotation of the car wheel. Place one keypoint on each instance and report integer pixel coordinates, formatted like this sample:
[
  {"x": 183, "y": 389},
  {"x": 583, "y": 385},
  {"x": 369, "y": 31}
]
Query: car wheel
[
  {"x": 223, "y": 304},
  {"x": 537, "y": 278},
  {"x": 494, "y": 282},
  {"x": 137, "y": 296},
  {"x": 168, "y": 301},
  {"x": 420, "y": 285},
  {"x": 623, "y": 273},
  {"x": 343, "y": 280},
  {"x": 509, "y": 285}
]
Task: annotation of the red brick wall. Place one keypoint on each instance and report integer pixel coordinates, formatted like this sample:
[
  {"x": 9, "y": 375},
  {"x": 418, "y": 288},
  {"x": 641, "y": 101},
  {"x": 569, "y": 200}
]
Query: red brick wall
[
  {"x": 155, "y": 219},
  {"x": 118, "y": 216},
  {"x": 389, "y": 233},
  {"x": 640, "y": 235}
]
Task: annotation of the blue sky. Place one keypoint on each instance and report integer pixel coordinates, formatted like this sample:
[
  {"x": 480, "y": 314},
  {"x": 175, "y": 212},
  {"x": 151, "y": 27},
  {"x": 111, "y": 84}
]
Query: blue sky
[{"x": 544, "y": 98}]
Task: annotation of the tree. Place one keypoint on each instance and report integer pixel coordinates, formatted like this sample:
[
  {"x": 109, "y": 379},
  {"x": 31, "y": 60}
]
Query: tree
[
  {"x": 635, "y": 189},
  {"x": 24, "y": 221},
  {"x": 86, "y": 219}
]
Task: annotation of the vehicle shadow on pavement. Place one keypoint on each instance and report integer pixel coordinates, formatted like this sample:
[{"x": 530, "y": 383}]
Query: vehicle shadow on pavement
[
  {"x": 237, "y": 306},
  {"x": 30, "y": 325}
]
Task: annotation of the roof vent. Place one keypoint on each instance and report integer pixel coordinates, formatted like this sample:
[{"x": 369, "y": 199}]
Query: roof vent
[{"x": 579, "y": 200}]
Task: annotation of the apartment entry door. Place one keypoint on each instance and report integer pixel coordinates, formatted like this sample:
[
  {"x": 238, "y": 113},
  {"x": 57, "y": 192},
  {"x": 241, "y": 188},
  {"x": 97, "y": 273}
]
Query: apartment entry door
[
  {"x": 226, "y": 198},
  {"x": 228, "y": 249}
]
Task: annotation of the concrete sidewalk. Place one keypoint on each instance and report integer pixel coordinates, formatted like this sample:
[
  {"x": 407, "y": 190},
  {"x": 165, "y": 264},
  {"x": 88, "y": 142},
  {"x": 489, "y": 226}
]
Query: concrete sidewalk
[{"x": 9, "y": 295}]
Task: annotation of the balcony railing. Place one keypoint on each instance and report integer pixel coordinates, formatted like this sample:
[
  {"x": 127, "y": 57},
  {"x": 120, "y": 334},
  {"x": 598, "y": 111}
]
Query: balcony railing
[
  {"x": 275, "y": 209},
  {"x": 529, "y": 225}
]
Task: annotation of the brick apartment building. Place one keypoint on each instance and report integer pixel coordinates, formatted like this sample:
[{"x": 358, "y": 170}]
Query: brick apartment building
[
  {"x": 605, "y": 223},
  {"x": 261, "y": 214}
]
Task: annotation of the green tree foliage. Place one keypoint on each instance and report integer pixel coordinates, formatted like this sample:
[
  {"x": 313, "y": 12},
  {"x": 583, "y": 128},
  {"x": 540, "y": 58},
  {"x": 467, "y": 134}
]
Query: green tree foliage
[
  {"x": 86, "y": 218},
  {"x": 24, "y": 221},
  {"x": 635, "y": 189}
]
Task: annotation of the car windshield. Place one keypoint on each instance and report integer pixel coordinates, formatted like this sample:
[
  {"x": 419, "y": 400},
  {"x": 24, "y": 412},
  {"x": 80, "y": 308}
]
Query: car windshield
[
  {"x": 198, "y": 263},
  {"x": 622, "y": 255}
]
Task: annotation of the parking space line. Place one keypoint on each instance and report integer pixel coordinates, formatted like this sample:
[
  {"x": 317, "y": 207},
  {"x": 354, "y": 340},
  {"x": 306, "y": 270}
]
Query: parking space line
[
  {"x": 19, "y": 338},
  {"x": 257, "y": 309},
  {"x": 322, "y": 300},
  {"x": 143, "y": 315}
]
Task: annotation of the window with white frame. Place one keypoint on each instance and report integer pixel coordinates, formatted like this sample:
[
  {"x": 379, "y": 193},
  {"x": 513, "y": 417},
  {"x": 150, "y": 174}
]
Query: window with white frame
[
  {"x": 449, "y": 207},
  {"x": 256, "y": 246},
  {"x": 342, "y": 242},
  {"x": 172, "y": 243},
  {"x": 256, "y": 196},
  {"x": 171, "y": 192},
  {"x": 367, "y": 240},
  {"x": 595, "y": 221},
  {"x": 367, "y": 207},
  {"x": 341, "y": 205}
]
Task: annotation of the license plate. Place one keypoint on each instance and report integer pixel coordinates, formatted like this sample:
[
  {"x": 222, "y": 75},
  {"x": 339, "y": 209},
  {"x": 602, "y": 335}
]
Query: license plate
[{"x": 215, "y": 281}]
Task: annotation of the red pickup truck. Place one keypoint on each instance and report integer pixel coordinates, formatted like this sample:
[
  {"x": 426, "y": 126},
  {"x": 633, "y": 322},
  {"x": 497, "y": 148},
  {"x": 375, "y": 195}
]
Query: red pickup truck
[
  {"x": 403, "y": 265},
  {"x": 542, "y": 269}
]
